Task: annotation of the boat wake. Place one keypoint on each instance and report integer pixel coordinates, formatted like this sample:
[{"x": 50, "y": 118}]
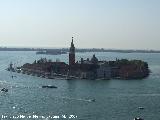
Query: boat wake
[{"x": 79, "y": 99}]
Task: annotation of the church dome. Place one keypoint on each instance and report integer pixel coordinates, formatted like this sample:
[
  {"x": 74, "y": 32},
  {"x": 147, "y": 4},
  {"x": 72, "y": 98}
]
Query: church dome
[{"x": 94, "y": 59}]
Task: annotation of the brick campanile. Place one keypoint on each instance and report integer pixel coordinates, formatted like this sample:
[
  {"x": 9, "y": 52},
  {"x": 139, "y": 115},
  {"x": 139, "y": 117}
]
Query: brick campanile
[{"x": 72, "y": 54}]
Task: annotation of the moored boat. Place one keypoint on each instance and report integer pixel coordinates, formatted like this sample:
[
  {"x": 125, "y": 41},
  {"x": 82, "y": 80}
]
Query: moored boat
[{"x": 49, "y": 86}]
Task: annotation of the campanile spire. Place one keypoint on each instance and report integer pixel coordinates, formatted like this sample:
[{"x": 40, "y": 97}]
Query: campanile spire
[
  {"x": 72, "y": 39},
  {"x": 72, "y": 54}
]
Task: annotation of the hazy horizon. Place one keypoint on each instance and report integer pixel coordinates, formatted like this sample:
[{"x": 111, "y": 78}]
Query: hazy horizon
[
  {"x": 39, "y": 47},
  {"x": 109, "y": 24}
]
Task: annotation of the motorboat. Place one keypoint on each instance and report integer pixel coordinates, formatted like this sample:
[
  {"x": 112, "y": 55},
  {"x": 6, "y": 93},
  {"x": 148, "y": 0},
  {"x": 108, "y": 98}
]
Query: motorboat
[
  {"x": 141, "y": 108},
  {"x": 4, "y": 90},
  {"x": 138, "y": 118},
  {"x": 13, "y": 76},
  {"x": 93, "y": 100},
  {"x": 49, "y": 86}
]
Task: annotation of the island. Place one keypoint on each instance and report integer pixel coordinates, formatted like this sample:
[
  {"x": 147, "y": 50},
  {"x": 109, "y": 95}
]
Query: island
[{"x": 85, "y": 69}]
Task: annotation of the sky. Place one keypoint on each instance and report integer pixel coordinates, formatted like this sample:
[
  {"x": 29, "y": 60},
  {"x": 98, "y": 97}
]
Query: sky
[{"x": 110, "y": 24}]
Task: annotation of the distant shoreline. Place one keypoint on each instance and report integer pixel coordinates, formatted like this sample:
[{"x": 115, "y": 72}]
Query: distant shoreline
[{"x": 65, "y": 50}]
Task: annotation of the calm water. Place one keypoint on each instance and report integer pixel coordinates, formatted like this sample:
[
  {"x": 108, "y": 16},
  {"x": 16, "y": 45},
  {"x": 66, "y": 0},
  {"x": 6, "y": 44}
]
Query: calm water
[{"x": 115, "y": 99}]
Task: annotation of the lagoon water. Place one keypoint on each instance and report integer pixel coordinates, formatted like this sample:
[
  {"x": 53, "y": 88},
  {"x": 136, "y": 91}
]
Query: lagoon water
[{"x": 115, "y": 99}]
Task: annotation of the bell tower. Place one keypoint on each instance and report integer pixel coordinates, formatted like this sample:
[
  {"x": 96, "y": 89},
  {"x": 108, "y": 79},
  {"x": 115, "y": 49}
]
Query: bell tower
[{"x": 72, "y": 54}]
